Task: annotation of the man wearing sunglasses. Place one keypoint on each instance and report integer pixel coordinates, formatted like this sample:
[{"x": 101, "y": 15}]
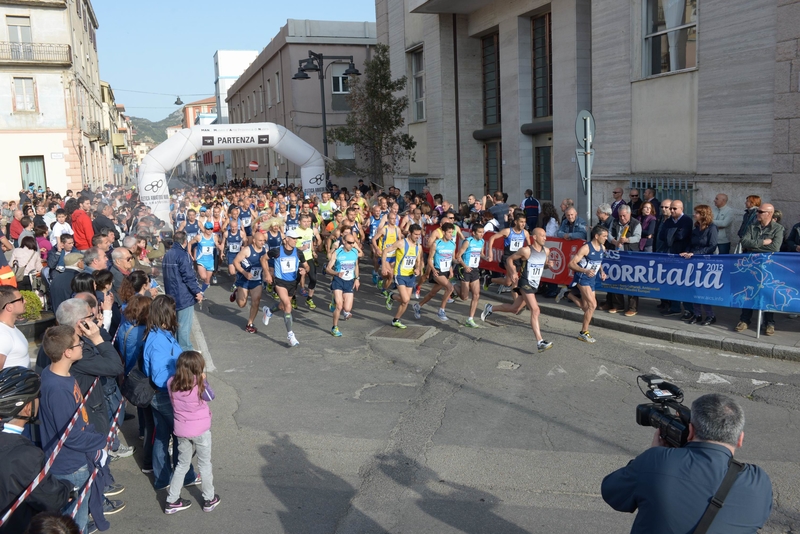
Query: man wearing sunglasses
[
  {"x": 343, "y": 267},
  {"x": 13, "y": 345},
  {"x": 675, "y": 237}
]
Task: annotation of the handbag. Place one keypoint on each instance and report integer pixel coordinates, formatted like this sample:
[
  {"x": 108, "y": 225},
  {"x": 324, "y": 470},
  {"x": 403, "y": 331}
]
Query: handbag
[
  {"x": 137, "y": 387},
  {"x": 19, "y": 274}
]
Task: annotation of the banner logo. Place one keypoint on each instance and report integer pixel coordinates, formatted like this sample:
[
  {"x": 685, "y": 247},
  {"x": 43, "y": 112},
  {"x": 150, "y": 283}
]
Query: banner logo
[
  {"x": 263, "y": 139},
  {"x": 557, "y": 261},
  {"x": 208, "y": 140},
  {"x": 317, "y": 180},
  {"x": 154, "y": 186}
]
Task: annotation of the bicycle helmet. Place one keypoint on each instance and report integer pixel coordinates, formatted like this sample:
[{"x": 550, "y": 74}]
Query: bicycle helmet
[{"x": 18, "y": 386}]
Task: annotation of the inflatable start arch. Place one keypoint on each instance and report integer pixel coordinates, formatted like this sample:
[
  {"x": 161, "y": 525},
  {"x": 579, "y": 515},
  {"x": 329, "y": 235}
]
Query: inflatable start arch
[{"x": 153, "y": 188}]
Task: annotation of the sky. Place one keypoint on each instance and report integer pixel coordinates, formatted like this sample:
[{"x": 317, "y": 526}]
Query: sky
[{"x": 167, "y": 46}]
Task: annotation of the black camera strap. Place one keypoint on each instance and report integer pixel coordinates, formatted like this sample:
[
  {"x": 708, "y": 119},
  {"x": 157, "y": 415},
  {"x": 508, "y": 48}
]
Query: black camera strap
[{"x": 734, "y": 468}]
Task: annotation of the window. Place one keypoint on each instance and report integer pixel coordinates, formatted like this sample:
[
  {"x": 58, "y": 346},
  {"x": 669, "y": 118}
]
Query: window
[
  {"x": 340, "y": 80},
  {"x": 418, "y": 89},
  {"x": 24, "y": 97},
  {"x": 493, "y": 172},
  {"x": 543, "y": 177},
  {"x": 269, "y": 93},
  {"x": 491, "y": 80},
  {"x": 277, "y": 87},
  {"x": 261, "y": 94},
  {"x": 80, "y": 11},
  {"x": 19, "y": 35},
  {"x": 670, "y": 36},
  {"x": 542, "y": 67},
  {"x": 345, "y": 151}
]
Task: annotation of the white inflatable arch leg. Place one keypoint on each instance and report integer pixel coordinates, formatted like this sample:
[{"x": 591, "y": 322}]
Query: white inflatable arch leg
[{"x": 153, "y": 188}]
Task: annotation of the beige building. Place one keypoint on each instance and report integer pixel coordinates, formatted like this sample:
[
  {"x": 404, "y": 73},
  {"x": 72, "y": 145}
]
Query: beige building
[
  {"x": 51, "y": 104},
  {"x": 265, "y": 92},
  {"x": 681, "y": 101}
]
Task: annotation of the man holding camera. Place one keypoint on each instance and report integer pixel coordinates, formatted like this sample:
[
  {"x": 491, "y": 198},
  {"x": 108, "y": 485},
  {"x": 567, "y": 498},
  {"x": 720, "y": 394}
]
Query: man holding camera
[{"x": 673, "y": 487}]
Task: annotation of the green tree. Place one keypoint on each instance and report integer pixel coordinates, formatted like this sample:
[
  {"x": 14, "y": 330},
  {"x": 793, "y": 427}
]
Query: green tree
[{"x": 374, "y": 122}]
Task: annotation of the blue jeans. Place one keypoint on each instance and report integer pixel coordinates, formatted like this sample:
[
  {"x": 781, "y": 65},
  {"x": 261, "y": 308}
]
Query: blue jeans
[
  {"x": 164, "y": 420},
  {"x": 78, "y": 479},
  {"x": 113, "y": 399},
  {"x": 724, "y": 248},
  {"x": 185, "y": 317}
]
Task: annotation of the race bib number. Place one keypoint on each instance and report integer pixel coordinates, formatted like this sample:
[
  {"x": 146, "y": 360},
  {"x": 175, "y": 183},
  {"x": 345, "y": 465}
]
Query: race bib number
[
  {"x": 535, "y": 272},
  {"x": 289, "y": 265},
  {"x": 409, "y": 262},
  {"x": 246, "y": 221},
  {"x": 234, "y": 247},
  {"x": 190, "y": 237},
  {"x": 305, "y": 245},
  {"x": 348, "y": 271},
  {"x": 207, "y": 250},
  {"x": 515, "y": 245},
  {"x": 444, "y": 264},
  {"x": 326, "y": 215},
  {"x": 256, "y": 273},
  {"x": 595, "y": 266},
  {"x": 474, "y": 259}
]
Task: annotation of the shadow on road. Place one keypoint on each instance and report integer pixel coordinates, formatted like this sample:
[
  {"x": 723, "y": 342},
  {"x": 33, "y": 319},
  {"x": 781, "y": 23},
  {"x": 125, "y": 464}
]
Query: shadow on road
[
  {"x": 314, "y": 500},
  {"x": 464, "y": 508}
]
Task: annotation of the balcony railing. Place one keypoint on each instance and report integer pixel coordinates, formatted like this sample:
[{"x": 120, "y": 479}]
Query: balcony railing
[
  {"x": 93, "y": 129},
  {"x": 104, "y": 137},
  {"x": 35, "y": 53}
]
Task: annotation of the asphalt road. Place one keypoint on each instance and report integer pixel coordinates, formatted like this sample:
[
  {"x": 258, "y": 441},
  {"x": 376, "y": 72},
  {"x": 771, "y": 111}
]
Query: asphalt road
[{"x": 466, "y": 430}]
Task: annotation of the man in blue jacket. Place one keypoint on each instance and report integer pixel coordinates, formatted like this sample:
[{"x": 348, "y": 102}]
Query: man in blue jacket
[{"x": 181, "y": 284}]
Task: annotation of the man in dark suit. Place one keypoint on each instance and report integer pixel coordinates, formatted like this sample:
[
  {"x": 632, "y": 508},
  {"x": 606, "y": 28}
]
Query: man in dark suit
[{"x": 674, "y": 237}]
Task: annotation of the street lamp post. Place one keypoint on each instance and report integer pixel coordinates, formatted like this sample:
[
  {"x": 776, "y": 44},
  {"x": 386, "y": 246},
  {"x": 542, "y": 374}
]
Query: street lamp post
[{"x": 315, "y": 63}]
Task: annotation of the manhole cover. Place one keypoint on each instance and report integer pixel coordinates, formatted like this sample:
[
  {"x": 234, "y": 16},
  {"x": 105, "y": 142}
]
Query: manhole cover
[{"x": 412, "y": 333}]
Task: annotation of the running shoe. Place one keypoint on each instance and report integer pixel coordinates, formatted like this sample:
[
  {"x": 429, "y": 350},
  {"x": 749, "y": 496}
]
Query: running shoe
[
  {"x": 346, "y": 315},
  {"x": 385, "y": 293},
  {"x": 294, "y": 303},
  {"x": 416, "y": 294},
  {"x": 122, "y": 452},
  {"x": 380, "y": 284},
  {"x": 374, "y": 278},
  {"x": 544, "y": 345},
  {"x": 332, "y": 306},
  {"x": 487, "y": 311},
  {"x": 233, "y": 295},
  {"x": 303, "y": 292},
  {"x": 487, "y": 281},
  {"x": 561, "y": 294},
  {"x": 111, "y": 507},
  {"x": 470, "y": 323},
  {"x": 397, "y": 324},
  {"x": 442, "y": 316},
  {"x": 335, "y": 332},
  {"x": 503, "y": 289},
  {"x": 310, "y": 303},
  {"x": 267, "y": 315},
  {"x": 292, "y": 340},
  {"x": 177, "y": 506},
  {"x": 250, "y": 329},
  {"x": 233, "y": 288},
  {"x": 113, "y": 489},
  {"x": 208, "y": 506},
  {"x": 450, "y": 300},
  {"x": 417, "y": 310},
  {"x": 274, "y": 294},
  {"x": 389, "y": 302},
  {"x": 585, "y": 336},
  {"x": 203, "y": 288},
  {"x": 214, "y": 280}
]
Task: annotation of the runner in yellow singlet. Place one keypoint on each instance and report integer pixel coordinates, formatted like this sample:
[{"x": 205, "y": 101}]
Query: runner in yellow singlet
[
  {"x": 387, "y": 234},
  {"x": 407, "y": 266}
]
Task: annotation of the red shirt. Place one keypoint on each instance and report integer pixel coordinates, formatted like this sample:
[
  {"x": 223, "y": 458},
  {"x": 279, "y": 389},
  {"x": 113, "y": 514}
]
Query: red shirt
[{"x": 15, "y": 230}]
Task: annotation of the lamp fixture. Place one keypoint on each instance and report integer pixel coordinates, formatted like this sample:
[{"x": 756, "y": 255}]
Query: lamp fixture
[
  {"x": 352, "y": 70},
  {"x": 178, "y": 101},
  {"x": 301, "y": 74}
]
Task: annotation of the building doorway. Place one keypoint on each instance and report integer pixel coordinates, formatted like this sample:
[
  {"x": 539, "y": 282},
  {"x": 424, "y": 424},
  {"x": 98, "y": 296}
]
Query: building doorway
[{"x": 32, "y": 170}]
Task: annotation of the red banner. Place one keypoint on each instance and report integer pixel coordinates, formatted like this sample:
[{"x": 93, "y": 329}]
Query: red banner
[{"x": 561, "y": 253}]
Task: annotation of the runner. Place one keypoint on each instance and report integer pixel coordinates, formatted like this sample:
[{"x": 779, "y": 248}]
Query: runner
[
  {"x": 249, "y": 264},
  {"x": 447, "y": 217},
  {"x": 292, "y": 222},
  {"x": 374, "y": 222},
  {"x": 204, "y": 254},
  {"x": 387, "y": 234},
  {"x": 343, "y": 266},
  {"x": 469, "y": 257},
  {"x": 534, "y": 259},
  {"x": 440, "y": 263},
  {"x": 514, "y": 239},
  {"x": 407, "y": 266},
  {"x": 326, "y": 208},
  {"x": 232, "y": 244},
  {"x": 246, "y": 216},
  {"x": 309, "y": 238},
  {"x": 274, "y": 240},
  {"x": 586, "y": 264},
  {"x": 288, "y": 268}
]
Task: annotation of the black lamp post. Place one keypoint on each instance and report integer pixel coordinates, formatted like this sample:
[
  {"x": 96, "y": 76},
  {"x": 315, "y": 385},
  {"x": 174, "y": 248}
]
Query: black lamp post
[{"x": 315, "y": 63}]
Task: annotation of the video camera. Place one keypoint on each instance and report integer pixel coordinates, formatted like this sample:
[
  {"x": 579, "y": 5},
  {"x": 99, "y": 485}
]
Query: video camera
[{"x": 666, "y": 412}]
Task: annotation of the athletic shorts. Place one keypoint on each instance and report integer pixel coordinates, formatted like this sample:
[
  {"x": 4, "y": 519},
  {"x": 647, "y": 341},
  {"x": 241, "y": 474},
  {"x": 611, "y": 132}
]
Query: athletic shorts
[
  {"x": 585, "y": 281},
  {"x": 231, "y": 256},
  {"x": 248, "y": 231},
  {"x": 289, "y": 285},
  {"x": 207, "y": 263},
  {"x": 446, "y": 273},
  {"x": 408, "y": 281},
  {"x": 345, "y": 286},
  {"x": 244, "y": 283},
  {"x": 472, "y": 276},
  {"x": 517, "y": 263},
  {"x": 523, "y": 287}
]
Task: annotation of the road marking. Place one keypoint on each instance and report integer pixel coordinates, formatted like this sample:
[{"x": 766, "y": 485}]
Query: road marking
[
  {"x": 736, "y": 356},
  {"x": 659, "y": 346},
  {"x": 655, "y": 371},
  {"x": 711, "y": 378},
  {"x": 759, "y": 382},
  {"x": 507, "y": 366},
  {"x": 603, "y": 371},
  {"x": 365, "y": 387},
  {"x": 556, "y": 370}
]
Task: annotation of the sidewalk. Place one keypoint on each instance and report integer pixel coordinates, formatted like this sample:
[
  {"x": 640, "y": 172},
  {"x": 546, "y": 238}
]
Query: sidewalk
[{"x": 783, "y": 345}]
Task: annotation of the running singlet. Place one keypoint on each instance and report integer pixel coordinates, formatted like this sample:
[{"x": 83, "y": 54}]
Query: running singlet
[
  {"x": 287, "y": 265},
  {"x": 205, "y": 248},
  {"x": 306, "y": 238},
  {"x": 535, "y": 267},
  {"x": 234, "y": 242},
  {"x": 191, "y": 229},
  {"x": 443, "y": 257},
  {"x": 180, "y": 216},
  {"x": 273, "y": 241},
  {"x": 514, "y": 241},
  {"x": 472, "y": 256},
  {"x": 291, "y": 224},
  {"x": 593, "y": 260},
  {"x": 245, "y": 219},
  {"x": 406, "y": 260},
  {"x": 326, "y": 210},
  {"x": 373, "y": 225},
  {"x": 252, "y": 263},
  {"x": 346, "y": 263},
  {"x": 389, "y": 239}
]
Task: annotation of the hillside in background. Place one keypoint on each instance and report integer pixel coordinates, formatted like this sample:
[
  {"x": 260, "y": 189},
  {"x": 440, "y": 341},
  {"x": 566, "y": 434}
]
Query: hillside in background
[{"x": 155, "y": 132}]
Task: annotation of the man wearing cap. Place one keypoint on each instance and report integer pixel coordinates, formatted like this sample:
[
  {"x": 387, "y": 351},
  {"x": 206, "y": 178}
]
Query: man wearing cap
[
  {"x": 61, "y": 286},
  {"x": 289, "y": 267}
]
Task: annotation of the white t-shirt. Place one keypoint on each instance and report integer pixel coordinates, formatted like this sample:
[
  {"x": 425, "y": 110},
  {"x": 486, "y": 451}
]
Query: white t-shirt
[
  {"x": 15, "y": 347},
  {"x": 58, "y": 229}
]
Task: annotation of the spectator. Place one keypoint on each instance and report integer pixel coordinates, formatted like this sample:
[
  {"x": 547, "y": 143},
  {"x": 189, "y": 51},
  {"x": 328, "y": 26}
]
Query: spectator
[
  {"x": 675, "y": 237},
  {"x": 82, "y": 224},
  {"x": 648, "y": 220},
  {"x": 565, "y": 205},
  {"x": 500, "y": 209},
  {"x": 38, "y": 219},
  {"x": 490, "y": 223},
  {"x": 42, "y": 241},
  {"x": 661, "y": 219},
  {"x": 549, "y": 219},
  {"x": 573, "y": 226},
  {"x": 26, "y": 259},
  {"x": 531, "y": 207},
  {"x": 121, "y": 266},
  {"x": 16, "y": 227},
  {"x": 626, "y": 232},
  {"x": 61, "y": 285},
  {"x": 104, "y": 218},
  {"x": 604, "y": 218},
  {"x": 53, "y": 523},
  {"x": 55, "y": 258},
  {"x": 650, "y": 196},
  {"x": 161, "y": 351},
  {"x": 13, "y": 344},
  {"x": 617, "y": 202},
  {"x": 750, "y": 217},
  {"x": 765, "y": 236},
  {"x": 27, "y": 229},
  {"x": 635, "y": 203},
  {"x": 793, "y": 240},
  {"x": 180, "y": 283},
  {"x": 94, "y": 260},
  {"x": 722, "y": 215},
  {"x": 60, "y": 227},
  {"x": 704, "y": 241},
  {"x": 50, "y": 217}
]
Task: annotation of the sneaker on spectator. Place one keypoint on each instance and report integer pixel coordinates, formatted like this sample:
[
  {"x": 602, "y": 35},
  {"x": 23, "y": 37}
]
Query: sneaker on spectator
[
  {"x": 122, "y": 452},
  {"x": 177, "y": 506},
  {"x": 210, "y": 505},
  {"x": 770, "y": 330},
  {"x": 91, "y": 528},
  {"x": 111, "y": 507},
  {"x": 741, "y": 326},
  {"x": 113, "y": 489},
  {"x": 147, "y": 470}
]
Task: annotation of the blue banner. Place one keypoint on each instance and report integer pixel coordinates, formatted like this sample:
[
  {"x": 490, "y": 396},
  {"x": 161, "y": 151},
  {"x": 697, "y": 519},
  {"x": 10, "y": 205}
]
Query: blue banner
[{"x": 769, "y": 282}]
